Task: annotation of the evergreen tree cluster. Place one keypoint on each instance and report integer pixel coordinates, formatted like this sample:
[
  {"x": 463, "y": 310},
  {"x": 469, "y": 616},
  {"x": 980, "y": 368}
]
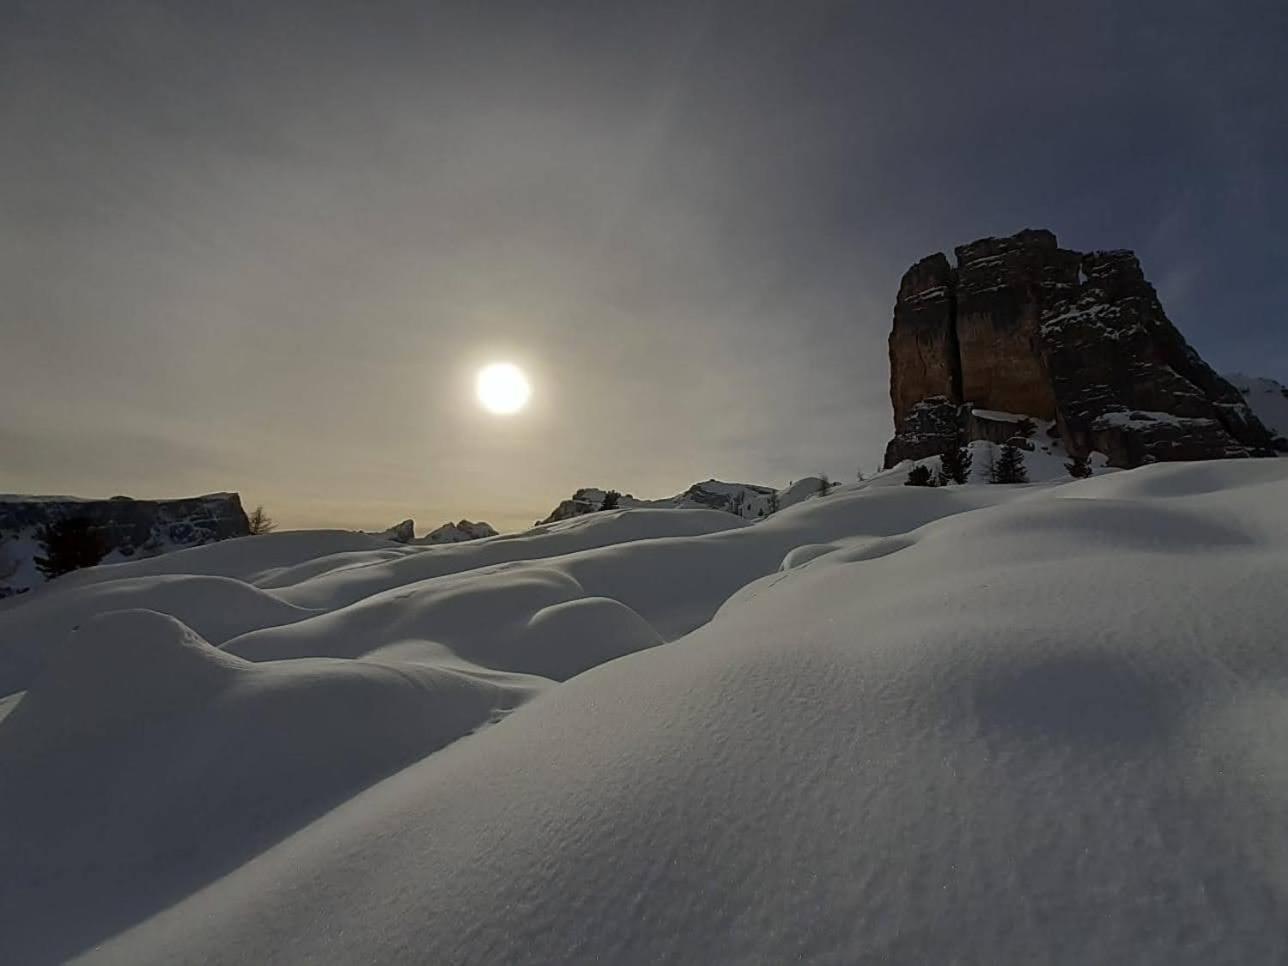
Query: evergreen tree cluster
[
  {"x": 954, "y": 467},
  {"x": 69, "y": 545}
]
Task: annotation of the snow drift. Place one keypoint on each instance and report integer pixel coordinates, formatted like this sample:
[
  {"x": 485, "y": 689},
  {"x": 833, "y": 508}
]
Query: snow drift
[{"x": 891, "y": 724}]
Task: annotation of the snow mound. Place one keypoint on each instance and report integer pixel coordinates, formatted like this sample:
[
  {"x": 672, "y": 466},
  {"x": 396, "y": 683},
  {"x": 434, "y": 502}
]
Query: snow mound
[
  {"x": 217, "y": 608},
  {"x": 1035, "y": 723},
  {"x": 121, "y": 668},
  {"x": 950, "y": 752},
  {"x": 245, "y": 558},
  {"x": 145, "y": 763},
  {"x": 566, "y": 639}
]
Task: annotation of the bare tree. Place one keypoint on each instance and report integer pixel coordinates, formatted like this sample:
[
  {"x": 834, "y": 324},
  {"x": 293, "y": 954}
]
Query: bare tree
[{"x": 260, "y": 522}]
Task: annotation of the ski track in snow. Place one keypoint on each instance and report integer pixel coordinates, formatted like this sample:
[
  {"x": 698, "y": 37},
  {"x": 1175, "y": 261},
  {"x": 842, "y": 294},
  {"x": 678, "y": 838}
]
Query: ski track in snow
[{"x": 986, "y": 724}]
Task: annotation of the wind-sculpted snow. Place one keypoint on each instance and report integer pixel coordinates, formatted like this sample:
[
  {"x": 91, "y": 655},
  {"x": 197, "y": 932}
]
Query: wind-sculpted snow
[{"x": 975, "y": 724}]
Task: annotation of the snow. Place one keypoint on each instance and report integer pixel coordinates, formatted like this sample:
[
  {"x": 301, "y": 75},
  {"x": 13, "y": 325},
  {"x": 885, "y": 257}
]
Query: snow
[
  {"x": 1145, "y": 419},
  {"x": 1000, "y": 416},
  {"x": 1267, "y": 398},
  {"x": 1045, "y": 463},
  {"x": 1034, "y": 723}
]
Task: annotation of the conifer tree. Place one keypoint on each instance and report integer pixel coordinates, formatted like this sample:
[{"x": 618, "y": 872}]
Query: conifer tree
[
  {"x": 611, "y": 499},
  {"x": 954, "y": 464},
  {"x": 260, "y": 521},
  {"x": 1078, "y": 467},
  {"x": 69, "y": 545},
  {"x": 1009, "y": 466},
  {"x": 919, "y": 476}
]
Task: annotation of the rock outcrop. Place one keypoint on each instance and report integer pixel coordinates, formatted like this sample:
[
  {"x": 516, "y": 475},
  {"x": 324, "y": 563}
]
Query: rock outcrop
[
  {"x": 404, "y": 532},
  {"x": 746, "y": 500},
  {"x": 458, "y": 532},
  {"x": 129, "y": 528},
  {"x": 1021, "y": 325}
]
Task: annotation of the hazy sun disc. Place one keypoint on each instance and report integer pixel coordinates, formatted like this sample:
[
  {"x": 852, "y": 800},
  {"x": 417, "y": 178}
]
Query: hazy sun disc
[{"x": 502, "y": 388}]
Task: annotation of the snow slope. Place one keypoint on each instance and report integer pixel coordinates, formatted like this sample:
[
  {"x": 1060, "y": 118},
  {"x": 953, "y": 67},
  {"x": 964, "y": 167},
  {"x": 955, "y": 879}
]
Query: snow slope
[
  {"x": 1267, "y": 398},
  {"x": 974, "y": 724}
]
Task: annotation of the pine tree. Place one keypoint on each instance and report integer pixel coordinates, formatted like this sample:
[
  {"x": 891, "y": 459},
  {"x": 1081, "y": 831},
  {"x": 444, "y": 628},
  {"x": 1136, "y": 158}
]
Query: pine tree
[
  {"x": 69, "y": 545},
  {"x": 774, "y": 503},
  {"x": 1009, "y": 466},
  {"x": 919, "y": 476},
  {"x": 260, "y": 522},
  {"x": 611, "y": 499},
  {"x": 954, "y": 464},
  {"x": 1078, "y": 468},
  {"x": 1026, "y": 428},
  {"x": 824, "y": 484}
]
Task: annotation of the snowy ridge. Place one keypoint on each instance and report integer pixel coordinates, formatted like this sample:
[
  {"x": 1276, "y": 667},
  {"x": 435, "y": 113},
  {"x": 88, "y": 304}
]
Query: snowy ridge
[
  {"x": 746, "y": 500},
  {"x": 1267, "y": 398},
  {"x": 983, "y": 723}
]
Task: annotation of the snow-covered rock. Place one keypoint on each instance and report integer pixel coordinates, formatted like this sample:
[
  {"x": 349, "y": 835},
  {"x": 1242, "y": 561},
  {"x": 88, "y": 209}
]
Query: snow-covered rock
[
  {"x": 404, "y": 532},
  {"x": 1031, "y": 723},
  {"x": 458, "y": 532},
  {"x": 1269, "y": 400},
  {"x": 746, "y": 500}
]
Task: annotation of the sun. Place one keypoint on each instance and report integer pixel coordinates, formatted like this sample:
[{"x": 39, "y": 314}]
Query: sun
[{"x": 502, "y": 388}]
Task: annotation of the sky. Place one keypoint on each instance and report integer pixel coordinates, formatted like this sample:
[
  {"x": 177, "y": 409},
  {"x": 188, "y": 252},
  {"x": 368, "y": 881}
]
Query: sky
[{"x": 265, "y": 247}]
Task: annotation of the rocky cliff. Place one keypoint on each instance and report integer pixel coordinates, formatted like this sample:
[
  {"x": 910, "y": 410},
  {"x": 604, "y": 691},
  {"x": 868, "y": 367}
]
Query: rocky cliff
[
  {"x": 1021, "y": 325},
  {"x": 129, "y": 528}
]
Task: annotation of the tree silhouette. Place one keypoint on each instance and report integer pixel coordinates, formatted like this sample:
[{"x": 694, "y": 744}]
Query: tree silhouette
[
  {"x": 954, "y": 464},
  {"x": 260, "y": 522},
  {"x": 919, "y": 476},
  {"x": 611, "y": 499},
  {"x": 1009, "y": 466},
  {"x": 1078, "y": 468},
  {"x": 69, "y": 545}
]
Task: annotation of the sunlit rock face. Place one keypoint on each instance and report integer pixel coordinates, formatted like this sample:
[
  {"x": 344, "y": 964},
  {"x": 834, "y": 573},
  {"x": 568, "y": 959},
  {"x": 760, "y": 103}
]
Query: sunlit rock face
[{"x": 1021, "y": 325}]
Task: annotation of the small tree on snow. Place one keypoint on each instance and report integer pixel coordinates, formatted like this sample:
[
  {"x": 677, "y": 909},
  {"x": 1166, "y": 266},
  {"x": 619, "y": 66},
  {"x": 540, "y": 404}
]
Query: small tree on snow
[
  {"x": 69, "y": 545},
  {"x": 919, "y": 476},
  {"x": 1079, "y": 468},
  {"x": 1009, "y": 466},
  {"x": 611, "y": 499},
  {"x": 1026, "y": 428},
  {"x": 774, "y": 503},
  {"x": 954, "y": 464},
  {"x": 824, "y": 484},
  {"x": 260, "y": 522}
]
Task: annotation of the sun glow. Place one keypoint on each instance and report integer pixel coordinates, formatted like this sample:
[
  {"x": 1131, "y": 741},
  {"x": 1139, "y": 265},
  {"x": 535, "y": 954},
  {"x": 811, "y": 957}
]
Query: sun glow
[{"x": 502, "y": 388}]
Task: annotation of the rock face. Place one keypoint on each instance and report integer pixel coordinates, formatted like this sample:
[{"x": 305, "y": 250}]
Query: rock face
[
  {"x": 746, "y": 500},
  {"x": 130, "y": 528},
  {"x": 1021, "y": 325},
  {"x": 404, "y": 532},
  {"x": 458, "y": 532}
]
